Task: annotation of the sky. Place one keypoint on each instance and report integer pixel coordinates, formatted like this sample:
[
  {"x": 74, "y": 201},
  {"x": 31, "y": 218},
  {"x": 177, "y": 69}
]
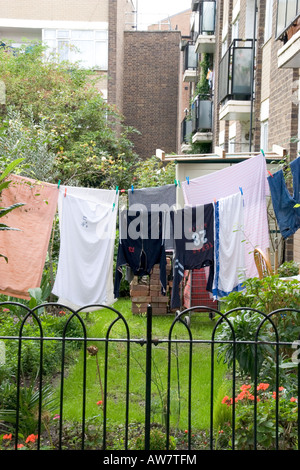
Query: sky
[{"x": 150, "y": 11}]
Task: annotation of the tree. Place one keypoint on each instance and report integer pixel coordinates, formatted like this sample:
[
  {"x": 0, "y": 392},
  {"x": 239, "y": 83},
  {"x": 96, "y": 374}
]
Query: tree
[{"x": 55, "y": 114}]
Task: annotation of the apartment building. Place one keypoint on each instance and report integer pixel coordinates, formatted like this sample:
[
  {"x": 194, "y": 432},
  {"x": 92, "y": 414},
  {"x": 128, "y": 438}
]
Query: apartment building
[
  {"x": 87, "y": 31},
  {"x": 243, "y": 59}
]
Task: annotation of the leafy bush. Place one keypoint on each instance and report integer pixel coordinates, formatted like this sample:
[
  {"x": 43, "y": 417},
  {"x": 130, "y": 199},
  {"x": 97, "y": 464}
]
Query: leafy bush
[
  {"x": 265, "y": 422},
  {"x": 288, "y": 268}
]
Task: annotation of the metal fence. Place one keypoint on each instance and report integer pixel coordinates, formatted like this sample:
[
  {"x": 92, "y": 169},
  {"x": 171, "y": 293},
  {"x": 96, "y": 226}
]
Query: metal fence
[{"x": 279, "y": 323}]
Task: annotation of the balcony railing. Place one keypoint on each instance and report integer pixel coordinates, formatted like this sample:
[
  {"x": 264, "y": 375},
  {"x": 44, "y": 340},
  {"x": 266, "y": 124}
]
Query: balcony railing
[
  {"x": 202, "y": 113},
  {"x": 287, "y": 12},
  {"x": 205, "y": 20},
  {"x": 190, "y": 57},
  {"x": 186, "y": 131},
  {"x": 236, "y": 71}
]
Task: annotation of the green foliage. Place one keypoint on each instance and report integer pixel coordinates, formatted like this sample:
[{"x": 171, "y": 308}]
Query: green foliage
[
  {"x": 265, "y": 419},
  {"x": 265, "y": 295},
  {"x": 4, "y": 184},
  {"x": 153, "y": 172},
  {"x": 57, "y": 118},
  {"x": 157, "y": 441},
  {"x": 288, "y": 268}
]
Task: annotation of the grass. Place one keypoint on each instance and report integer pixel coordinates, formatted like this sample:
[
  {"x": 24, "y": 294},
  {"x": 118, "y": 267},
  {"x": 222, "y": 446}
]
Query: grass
[{"x": 97, "y": 325}]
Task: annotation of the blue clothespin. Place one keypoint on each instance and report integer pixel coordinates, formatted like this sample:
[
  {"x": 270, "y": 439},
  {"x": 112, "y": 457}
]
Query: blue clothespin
[
  {"x": 262, "y": 152},
  {"x": 188, "y": 179},
  {"x": 132, "y": 188},
  {"x": 175, "y": 181},
  {"x": 58, "y": 185},
  {"x": 117, "y": 189},
  {"x": 241, "y": 189}
]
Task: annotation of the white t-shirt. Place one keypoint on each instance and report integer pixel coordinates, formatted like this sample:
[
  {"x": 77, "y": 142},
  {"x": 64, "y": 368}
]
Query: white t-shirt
[{"x": 87, "y": 220}]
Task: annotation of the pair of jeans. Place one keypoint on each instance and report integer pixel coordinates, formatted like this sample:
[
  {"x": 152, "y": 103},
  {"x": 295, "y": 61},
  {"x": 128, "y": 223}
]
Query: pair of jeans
[{"x": 284, "y": 204}]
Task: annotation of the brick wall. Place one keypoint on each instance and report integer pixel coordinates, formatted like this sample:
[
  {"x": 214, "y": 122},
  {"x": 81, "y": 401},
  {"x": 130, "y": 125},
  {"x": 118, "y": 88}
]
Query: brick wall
[{"x": 151, "y": 89}]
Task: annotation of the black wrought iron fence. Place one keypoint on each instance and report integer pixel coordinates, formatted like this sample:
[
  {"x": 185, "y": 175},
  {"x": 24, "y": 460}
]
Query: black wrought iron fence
[{"x": 260, "y": 356}]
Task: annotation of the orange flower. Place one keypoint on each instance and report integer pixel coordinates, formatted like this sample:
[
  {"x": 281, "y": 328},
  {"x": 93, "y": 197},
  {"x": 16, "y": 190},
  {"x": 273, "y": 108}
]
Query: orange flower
[
  {"x": 293, "y": 399},
  {"x": 7, "y": 436},
  {"x": 245, "y": 387},
  {"x": 31, "y": 438},
  {"x": 263, "y": 386},
  {"x": 226, "y": 400},
  {"x": 19, "y": 446}
]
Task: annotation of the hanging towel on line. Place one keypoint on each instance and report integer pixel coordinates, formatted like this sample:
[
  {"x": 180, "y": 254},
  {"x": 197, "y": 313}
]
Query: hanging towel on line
[
  {"x": 87, "y": 235},
  {"x": 287, "y": 215},
  {"x": 229, "y": 257},
  {"x": 26, "y": 249},
  {"x": 251, "y": 176},
  {"x": 162, "y": 198}
]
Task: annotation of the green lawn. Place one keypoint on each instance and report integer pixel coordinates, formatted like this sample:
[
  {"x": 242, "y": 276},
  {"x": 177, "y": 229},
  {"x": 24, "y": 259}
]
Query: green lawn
[{"x": 97, "y": 326}]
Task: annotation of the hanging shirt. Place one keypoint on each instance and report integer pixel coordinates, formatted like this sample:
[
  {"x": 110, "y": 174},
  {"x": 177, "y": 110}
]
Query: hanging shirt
[
  {"x": 87, "y": 235},
  {"x": 251, "y": 176},
  {"x": 229, "y": 272},
  {"x": 163, "y": 199},
  {"x": 141, "y": 245},
  {"x": 194, "y": 244},
  {"x": 287, "y": 215},
  {"x": 26, "y": 248}
]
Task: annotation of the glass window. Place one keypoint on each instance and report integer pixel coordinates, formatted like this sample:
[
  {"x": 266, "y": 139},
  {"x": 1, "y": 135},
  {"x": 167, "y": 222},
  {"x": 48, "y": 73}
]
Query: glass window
[
  {"x": 268, "y": 20},
  {"x": 87, "y": 47}
]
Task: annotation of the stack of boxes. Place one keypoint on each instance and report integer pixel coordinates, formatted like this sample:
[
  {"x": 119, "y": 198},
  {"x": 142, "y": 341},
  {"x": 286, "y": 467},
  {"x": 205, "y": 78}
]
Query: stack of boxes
[{"x": 147, "y": 290}]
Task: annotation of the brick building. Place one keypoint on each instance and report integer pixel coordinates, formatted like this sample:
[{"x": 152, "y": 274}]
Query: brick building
[{"x": 253, "y": 52}]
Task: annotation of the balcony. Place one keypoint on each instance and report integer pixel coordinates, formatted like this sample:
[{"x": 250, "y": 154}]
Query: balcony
[
  {"x": 204, "y": 26},
  {"x": 236, "y": 81},
  {"x": 186, "y": 133},
  {"x": 288, "y": 31},
  {"x": 190, "y": 62},
  {"x": 202, "y": 119}
]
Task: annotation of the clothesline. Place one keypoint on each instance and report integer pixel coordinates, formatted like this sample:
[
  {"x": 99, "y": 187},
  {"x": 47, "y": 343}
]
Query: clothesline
[{"x": 88, "y": 231}]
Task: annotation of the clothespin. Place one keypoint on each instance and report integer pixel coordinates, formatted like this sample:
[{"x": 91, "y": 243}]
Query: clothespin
[
  {"x": 270, "y": 173},
  {"x": 65, "y": 191},
  {"x": 241, "y": 189},
  {"x": 215, "y": 201},
  {"x": 262, "y": 152},
  {"x": 117, "y": 189},
  {"x": 113, "y": 208},
  {"x": 188, "y": 179},
  {"x": 132, "y": 188},
  {"x": 122, "y": 190},
  {"x": 58, "y": 184},
  {"x": 175, "y": 181}
]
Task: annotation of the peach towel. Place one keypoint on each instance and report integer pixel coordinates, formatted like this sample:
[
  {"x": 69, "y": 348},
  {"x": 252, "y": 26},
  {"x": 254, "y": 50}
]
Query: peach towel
[{"x": 26, "y": 249}]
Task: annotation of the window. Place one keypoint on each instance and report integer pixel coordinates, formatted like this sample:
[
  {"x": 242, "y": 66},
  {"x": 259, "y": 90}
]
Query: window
[
  {"x": 88, "y": 47},
  {"x": 264, "y": 135},
  {"x": 235, "y": 29},
  {"x": 268, "y": 20}
]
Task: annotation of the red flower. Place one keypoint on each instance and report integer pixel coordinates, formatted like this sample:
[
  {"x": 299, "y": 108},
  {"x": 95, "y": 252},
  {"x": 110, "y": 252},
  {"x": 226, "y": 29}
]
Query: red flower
[
  {"x": 31, "y": 438},
  {"x": 263, "y": 386},
  {"x": 99, "y": 403},
  {"x": 7, "y": 436}
]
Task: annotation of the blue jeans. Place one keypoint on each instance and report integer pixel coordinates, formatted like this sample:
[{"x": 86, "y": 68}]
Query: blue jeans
[{"x": 287, "y": 215}]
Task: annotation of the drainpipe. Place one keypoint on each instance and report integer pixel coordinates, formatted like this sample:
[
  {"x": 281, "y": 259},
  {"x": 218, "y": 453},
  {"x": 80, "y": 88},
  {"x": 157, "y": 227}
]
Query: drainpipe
[{"x": 252, "y": 81}]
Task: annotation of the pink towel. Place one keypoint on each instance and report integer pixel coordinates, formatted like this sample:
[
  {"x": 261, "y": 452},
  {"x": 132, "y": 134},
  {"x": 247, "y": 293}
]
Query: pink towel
[
  {"x": 251, "y": 176},
  {"x": 26, "y": 249}
]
